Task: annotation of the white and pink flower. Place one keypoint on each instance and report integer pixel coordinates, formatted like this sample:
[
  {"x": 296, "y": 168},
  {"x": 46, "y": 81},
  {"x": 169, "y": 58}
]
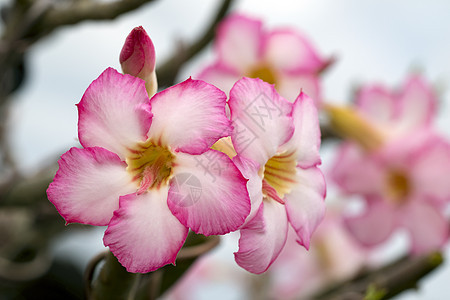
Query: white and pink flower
[
  {"x": 283, "y": 57},
  {"x": 334, "y": 256},
  {"x": 405, "y": 184},
  {"x": 402, "y": 176},
  {"x": 277, "y": 144},
  {"x": 146, "y": 169},
  {"x": 400, "y": 111}
]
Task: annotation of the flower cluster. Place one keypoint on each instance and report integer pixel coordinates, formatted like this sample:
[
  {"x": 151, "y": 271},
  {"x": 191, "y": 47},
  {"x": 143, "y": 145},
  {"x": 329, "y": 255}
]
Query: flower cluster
[
  {"x": 237, "y": 149},
  {"x": 150, "y": 168}
]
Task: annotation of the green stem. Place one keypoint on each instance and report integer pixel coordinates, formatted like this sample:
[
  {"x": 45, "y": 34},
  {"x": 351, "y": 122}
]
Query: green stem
[{"x": 113, "y": 282}]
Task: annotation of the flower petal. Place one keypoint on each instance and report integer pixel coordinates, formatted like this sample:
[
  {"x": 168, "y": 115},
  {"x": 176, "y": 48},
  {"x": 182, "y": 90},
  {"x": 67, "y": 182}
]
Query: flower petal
[
  {"x": 356, "y": 172},
  {"x": 208, "y": 193},
  {"x": 263, "y": 238},
  {"x": 114, "y": 112},
  {"x": 238, "y": 42},
  {"x": 249, "y": 170},
  {"x": 189, "y": 117},
  {"x": 427, "y": 226},
  {"x": 289, "y": 85},
  {"x": 305, "y": 204},
  {"x": 88, "y": 184},
  {"x": 417, "y": 104},
  {"x": 306, "y": 138},
  {"x": 143, "y": 234},
  {"x": 378, "y": 105},
  {"x": 261, "y": 119},
  {"x": 375, "y": 225},
  {"x": 287, "y": 50},
  {"x": 221, "y": 76},
  {"x": 429, "y": 169}
]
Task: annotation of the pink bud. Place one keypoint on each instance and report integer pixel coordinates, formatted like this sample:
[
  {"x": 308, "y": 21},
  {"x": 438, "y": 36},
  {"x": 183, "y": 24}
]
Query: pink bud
[{"x": 138, "y": 58}]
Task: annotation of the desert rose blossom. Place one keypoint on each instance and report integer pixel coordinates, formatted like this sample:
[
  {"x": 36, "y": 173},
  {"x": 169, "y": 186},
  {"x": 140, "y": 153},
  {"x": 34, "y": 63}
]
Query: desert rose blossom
[
  {"x": 141, "y": 159},
  {"x": 334, "y": 256},
  {"x": 397, "y": 163},
  {"x": 380, "y": 114},
  {"x": 397, "y": 112},
  {"x": 277, "y": 145},
  {"x": 283, "y": 57},
  {"x": 404, "y": 184},
  {"x": 138, "y": 58}
]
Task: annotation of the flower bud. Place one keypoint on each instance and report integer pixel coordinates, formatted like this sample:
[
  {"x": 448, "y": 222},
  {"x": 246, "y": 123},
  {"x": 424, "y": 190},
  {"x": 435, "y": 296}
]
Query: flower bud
[{"x": 137, "y": 58}]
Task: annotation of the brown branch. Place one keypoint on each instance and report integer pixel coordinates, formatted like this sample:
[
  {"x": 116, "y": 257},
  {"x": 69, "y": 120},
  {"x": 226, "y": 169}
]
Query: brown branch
[
  {"x": 168, "y": 71},
  {"x": 78, "y": 11},
  {"x": 386, "y": 282}
]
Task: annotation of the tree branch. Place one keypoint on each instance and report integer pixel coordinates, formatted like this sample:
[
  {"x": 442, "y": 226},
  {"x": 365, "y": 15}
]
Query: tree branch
[
  {"x": 385, "y": 282},
  {"x": 78, "y": 11}
]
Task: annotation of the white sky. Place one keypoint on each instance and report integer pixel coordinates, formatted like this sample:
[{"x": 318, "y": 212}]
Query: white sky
[{"x": 374, "y": 41}]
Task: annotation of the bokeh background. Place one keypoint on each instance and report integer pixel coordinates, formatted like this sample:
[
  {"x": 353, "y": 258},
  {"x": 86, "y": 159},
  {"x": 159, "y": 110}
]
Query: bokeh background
[{"x": 376, "y": 41}]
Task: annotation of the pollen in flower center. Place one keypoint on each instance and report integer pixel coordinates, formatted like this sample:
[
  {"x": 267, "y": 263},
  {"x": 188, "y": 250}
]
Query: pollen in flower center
[
  {"x": 398, "y": 186},
  {"x": 264, "y": 73},
  {"x": 279, "y": 176},
  {"x": 150, "y": 165}
]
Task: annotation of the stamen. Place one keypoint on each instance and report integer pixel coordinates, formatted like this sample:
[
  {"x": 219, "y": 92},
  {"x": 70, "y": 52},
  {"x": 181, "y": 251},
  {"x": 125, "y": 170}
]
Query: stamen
[{"x": 150, "y": 165}]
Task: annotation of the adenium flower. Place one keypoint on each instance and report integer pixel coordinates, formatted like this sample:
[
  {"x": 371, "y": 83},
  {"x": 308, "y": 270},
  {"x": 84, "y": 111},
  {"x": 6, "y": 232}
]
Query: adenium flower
[
  {"x": 405, "y": 184},
  {"x": 277, "y": 146},
  {"x": 380, "y": 115},
  {"x": 138, "y": 59},
  {"x": 145, "y": 170},
  {"x": 283, "y": 57},
  {"x": 400, "y": 111},
  {"x": 396, "y": 163},
  {"x": 334, "y": 256}
]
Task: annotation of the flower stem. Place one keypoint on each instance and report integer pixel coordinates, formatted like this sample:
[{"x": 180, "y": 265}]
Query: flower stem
[{"x": 113, "y": 282}]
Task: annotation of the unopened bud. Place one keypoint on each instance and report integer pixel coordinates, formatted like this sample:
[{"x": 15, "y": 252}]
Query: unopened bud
[{"x": 137, "y": 58}]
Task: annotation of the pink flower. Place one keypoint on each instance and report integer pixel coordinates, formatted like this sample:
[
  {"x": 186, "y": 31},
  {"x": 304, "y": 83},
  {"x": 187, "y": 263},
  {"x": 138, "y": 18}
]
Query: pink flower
[
  {"x": 402, "y": 176},
  {"x": 137, "y": 58},
  {"x": 401, "y": 111},
  {"x": 147, "y": 170},
  {"x": 277, "y": 145},
  {"x": 283, "y": 57},
  {"x": 405, "y": 184},
  {"x": 334, "y": 256}
]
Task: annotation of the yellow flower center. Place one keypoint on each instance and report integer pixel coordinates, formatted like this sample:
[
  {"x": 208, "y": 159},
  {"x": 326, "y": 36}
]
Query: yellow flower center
[
  {"x": 264, "y": 73},
  {"x": 150, "y": 165},
  {"x": 279, "y": 176},
  {"x": 398, "y": 186}
]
